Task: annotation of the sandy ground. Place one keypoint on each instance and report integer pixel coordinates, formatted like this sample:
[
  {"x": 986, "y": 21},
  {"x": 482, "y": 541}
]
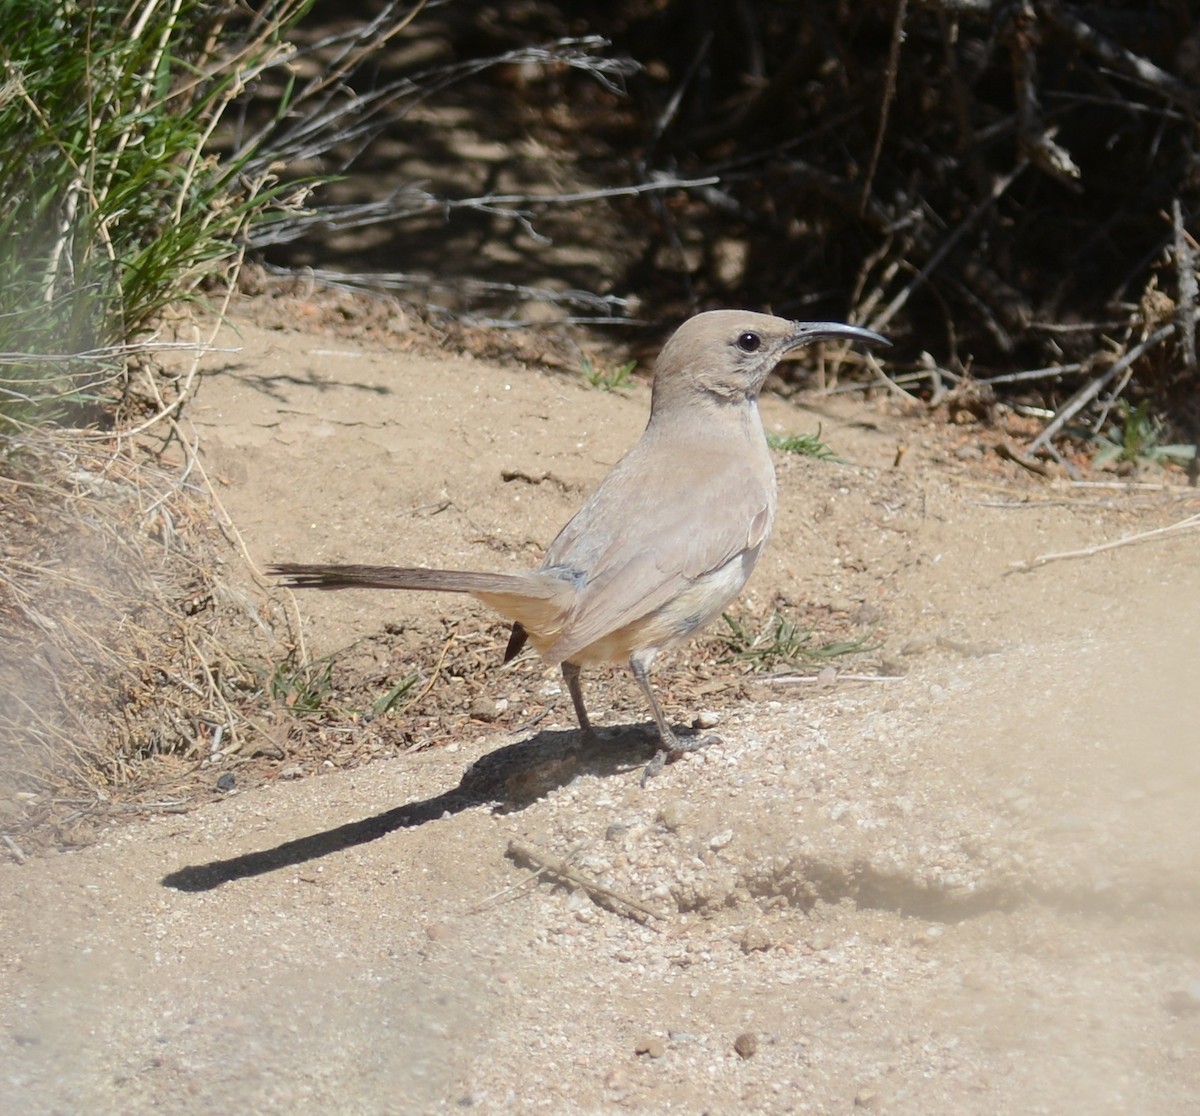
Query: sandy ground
[{"x": 972, "y": 888}]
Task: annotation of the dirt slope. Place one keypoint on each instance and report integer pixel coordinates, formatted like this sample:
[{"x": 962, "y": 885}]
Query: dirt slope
[{"x": 969, "y": 889}]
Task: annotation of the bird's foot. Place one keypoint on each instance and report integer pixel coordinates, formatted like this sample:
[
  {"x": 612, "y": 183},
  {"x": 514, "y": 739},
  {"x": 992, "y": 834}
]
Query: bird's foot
[{"x": 675, "y": 748}]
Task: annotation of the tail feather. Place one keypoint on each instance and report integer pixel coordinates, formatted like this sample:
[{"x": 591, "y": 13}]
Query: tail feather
[
  {"x": 298, "y": 576},
  {"x": 537, "y": 602}
]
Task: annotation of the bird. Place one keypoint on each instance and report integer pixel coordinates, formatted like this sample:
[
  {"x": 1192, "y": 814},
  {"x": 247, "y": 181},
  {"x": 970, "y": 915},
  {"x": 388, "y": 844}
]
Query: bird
[{"x": 670, "y": 536}]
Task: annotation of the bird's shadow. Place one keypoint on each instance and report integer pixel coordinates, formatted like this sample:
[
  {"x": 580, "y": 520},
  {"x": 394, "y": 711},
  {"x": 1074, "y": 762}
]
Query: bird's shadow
[{"x": 510, "y": 778}]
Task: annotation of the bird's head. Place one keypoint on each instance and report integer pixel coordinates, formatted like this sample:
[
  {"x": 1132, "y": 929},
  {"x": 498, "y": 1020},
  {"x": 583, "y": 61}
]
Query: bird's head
[{"x": 726, "y": 355}]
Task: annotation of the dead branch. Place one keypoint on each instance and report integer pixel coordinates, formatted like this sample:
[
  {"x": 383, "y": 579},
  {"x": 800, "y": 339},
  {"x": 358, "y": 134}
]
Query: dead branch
[
  {"x": 1036, "y": 141},
  {"x": 999, "y": 187},
  {"x": 885, "y": 107},
  {"x": 546, "y": 864},
  {"x": 1189, "y": 524},
  {"x": 1124, "y": 61},
  {"x": 412, "y": 201},
  {"x": 1185, "y": 306},
  {"x": 1094, "y": 387}
]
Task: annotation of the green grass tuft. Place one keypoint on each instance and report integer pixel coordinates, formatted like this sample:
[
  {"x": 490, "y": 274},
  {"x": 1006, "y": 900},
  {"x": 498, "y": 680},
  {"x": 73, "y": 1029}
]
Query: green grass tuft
[
  {"x": 807, "y": 445},
  {"x": 781, "y": 643},
  {"x": 112, "y": 204},
  {"x": 608, "y": 379},
  {"x": 1136, "y": 437}
]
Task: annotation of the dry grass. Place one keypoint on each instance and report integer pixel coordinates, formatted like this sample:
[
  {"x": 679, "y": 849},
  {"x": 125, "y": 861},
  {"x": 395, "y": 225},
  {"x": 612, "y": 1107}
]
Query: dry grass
[{"x": 117, "y": 684}]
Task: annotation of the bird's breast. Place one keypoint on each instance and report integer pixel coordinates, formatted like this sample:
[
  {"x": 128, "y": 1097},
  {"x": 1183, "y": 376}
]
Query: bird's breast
[{"x": 695, "y": 607}]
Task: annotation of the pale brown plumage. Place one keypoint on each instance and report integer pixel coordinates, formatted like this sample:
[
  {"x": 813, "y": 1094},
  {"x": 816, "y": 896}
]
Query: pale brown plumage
[{"x": 672, "y": 533}]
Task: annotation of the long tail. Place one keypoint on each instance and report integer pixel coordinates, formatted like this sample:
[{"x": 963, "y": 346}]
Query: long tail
[
  {"x": 538, "y": 603},
  {"x": 297, "y": 576}
]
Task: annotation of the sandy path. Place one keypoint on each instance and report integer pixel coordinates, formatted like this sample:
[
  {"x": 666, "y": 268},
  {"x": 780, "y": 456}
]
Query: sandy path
[{"x": 971, "y": 890}]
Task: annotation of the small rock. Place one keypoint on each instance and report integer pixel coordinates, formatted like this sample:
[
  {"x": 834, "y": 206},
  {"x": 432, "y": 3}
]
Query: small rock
[
  {"x": 673, "y": 815},
  {"x": 483, "y": 708},
  {"x": 292, "y": 771},
  {"x": 928, "y": 935},
  {"x": 650, "y": 1048},
  {"x": 617, "y": 1084},
  {"x": 866, "y": 616},
  {"x": 1185, "y": 1001},
  {"x": 866, "y": 1098},
  {"x": 720, "y": 840},
  {"x": 706, "y": 719},
  {"x": 973, "y": 981},
  {"x": 746, "y": 1044},
  {"x": 227, "y": 781},
  {"x": 756, "y": 939},
  {"x": 77, "y": 836}
]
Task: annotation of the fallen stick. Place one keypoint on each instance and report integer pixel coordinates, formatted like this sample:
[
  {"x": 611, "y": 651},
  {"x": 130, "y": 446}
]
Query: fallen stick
[
  {"x": 1094, "y": 387},
  {"x": 551, "y": 865},
  {"x": 13, "y": 848},
  {"x": 1088, "y": 552}
]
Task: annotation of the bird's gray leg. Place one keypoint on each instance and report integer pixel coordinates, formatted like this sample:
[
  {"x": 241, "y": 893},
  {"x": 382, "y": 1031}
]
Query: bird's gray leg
[
  {"x": 570, "y": 673},
  {"x": 639, "y": 663},
  {"x": 671, "y": 747}
]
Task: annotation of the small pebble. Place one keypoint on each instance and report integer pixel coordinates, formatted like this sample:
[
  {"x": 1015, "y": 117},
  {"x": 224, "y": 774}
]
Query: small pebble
[
  {"x": 866, "y": 1098},
  {"x": 650, "y": 1048},
  {"x": 866, "y": 615},
  {"x": 227, "y": 781},
  {"x": 756, "y": 939},
  {"x": 973, "y": 981},
  {"x": 746, "y": 1044},
  {"x": 706, "y": 719},
  {"x": 928, "y": 935},
  {"x": 1185, "y": 1001},
  {"x": 673, "y": 815},
  {"x": 485, "y": 709}
]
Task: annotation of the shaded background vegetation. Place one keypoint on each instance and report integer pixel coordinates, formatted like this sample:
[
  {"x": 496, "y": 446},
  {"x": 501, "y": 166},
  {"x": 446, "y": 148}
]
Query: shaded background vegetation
[{"x": 1003, "y": 187}]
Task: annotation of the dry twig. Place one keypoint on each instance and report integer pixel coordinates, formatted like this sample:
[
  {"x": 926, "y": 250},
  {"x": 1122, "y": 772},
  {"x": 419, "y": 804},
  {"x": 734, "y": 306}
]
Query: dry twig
[
  {"x": 1191, "y": 523},
  {"x": 1094, "y": 387},
  {"x": 545, "y": 864}
]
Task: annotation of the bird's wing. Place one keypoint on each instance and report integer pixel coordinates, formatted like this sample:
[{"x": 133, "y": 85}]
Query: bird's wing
[{"x": 647, "y": 534}]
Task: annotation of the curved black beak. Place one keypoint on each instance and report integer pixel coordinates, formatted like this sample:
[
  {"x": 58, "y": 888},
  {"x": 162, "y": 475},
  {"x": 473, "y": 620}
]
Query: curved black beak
[{"x": 808, "y": 332}]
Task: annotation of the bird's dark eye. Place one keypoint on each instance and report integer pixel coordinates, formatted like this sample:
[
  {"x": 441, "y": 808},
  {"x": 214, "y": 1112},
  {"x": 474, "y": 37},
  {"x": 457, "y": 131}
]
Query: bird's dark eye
[{"x": 749, "y": 342}]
